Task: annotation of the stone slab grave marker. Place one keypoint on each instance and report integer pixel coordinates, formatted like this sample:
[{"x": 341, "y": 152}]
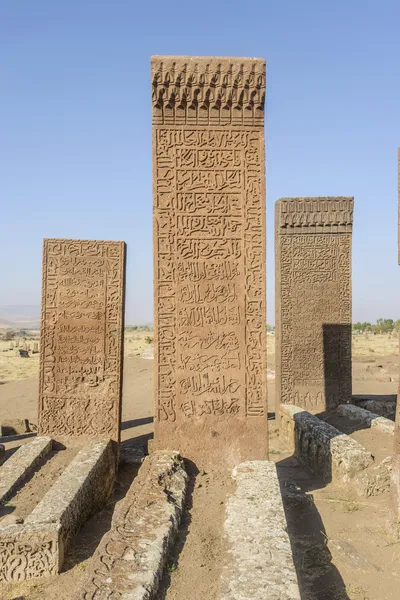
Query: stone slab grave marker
[
  {"x": 313, "y": 301},
  {"x": 209, "y": 257},
  {"x": 81, "y": 343},
  {"x": 395, "y": 475},
  {"x": 81, "y": 349}
]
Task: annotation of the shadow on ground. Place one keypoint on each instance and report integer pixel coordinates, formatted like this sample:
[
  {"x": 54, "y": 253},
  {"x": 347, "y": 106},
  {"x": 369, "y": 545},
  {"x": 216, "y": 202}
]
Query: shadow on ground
[{"x": 318, "y": 577}]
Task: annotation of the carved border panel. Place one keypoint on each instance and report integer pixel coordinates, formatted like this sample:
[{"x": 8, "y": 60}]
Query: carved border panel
[
  {"x": 313, "y": 302},
  {"x": 81, "y": 348}
]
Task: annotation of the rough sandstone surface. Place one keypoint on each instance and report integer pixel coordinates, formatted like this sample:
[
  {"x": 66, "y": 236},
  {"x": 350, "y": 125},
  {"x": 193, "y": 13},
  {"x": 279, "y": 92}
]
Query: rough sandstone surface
[
  {"x": 21, "y": 464},
  {"x": 365, "y": 417},
  {"x": 81, "y": 339},
  {"x": 209, "y": 268},
  {"x": 258, "y": 561},
  {"x": 131, "y": 557},
  {"x": 329, "y": 453},
  {"x": 375, "y": 480},
  {"x": 80, "y": 389},
  {"x": 313, "y": 301}
]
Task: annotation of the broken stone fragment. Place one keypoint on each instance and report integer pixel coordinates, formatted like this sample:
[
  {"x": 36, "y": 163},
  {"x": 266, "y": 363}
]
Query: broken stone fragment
[{"x": 14, "y": 426}]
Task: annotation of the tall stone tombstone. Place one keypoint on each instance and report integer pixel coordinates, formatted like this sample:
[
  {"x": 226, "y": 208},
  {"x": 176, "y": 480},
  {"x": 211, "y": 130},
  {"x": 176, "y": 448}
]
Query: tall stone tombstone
[
  {"x": 395, "y": 474},
  {"x": 209, "y": 265},
  {"x": 313, "y": 302},
  {"x": 81, "y": 343}
]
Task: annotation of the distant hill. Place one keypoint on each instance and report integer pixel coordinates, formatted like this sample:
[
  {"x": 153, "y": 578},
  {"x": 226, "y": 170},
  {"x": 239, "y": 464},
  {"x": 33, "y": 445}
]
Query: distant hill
[{"x": 20, "y": 316}]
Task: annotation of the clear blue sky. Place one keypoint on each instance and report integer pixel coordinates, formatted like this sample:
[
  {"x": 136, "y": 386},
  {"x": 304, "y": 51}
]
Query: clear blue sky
[{"x": 75, "y": 125}]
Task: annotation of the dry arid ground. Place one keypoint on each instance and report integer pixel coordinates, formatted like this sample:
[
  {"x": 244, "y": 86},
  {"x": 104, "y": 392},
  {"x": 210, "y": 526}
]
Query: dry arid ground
[{"x": 342, "y": 547}]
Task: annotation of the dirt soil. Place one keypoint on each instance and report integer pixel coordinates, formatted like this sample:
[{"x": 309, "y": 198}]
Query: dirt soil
[
  {"x": 198, "y": 547},
  {"x": 341, "y": 545}
]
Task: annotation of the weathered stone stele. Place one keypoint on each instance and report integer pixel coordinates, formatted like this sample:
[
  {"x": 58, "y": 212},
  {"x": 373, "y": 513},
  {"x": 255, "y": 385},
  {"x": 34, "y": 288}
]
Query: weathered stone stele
[
  {"x": 398, "y": 202},
  {"x": 395, "y": 475},
  {"x": 81, "y": 339},
  {"x": 313, "y": 302},
  {"x": 209, "y": 236}
]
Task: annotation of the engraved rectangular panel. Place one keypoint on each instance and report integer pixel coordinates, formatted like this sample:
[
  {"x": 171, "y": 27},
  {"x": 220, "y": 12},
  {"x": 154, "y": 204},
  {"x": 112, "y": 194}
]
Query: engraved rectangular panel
[
  {"x": 209, "y": 257},
  {"x": 313, "y": 302},
  {"x": 81, "y": 338}
]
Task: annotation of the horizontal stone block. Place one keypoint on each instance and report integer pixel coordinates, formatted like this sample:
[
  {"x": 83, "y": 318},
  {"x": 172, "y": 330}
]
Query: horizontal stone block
[
  {"x": 257, "y": 561},
  {"x": 130, "y": 559},
  {"x": 21, "y": 464},
  {"x": 366, "y": 417},
  {"x": 329, "y": 453},
  {"x": 29, "y": 551},
  {"x": 382, "y": 405},
  {"x": 82, "y": 489}
]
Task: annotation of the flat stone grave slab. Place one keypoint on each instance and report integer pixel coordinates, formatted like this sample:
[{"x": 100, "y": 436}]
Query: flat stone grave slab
[
  {"x": 257, "y": 560},
  {"x": 47, "y": 491},
  {"x": 358, "y": 426},
  {"x": 326, "y": 451},
  {"x": 130, "y": 559}
]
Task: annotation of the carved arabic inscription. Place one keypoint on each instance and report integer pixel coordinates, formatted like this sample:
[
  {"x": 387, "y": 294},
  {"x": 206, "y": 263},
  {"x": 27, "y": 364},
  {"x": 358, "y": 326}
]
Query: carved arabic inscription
[
  {"x": 81, "y": 338},
  {"x": 210, "y": 273}
]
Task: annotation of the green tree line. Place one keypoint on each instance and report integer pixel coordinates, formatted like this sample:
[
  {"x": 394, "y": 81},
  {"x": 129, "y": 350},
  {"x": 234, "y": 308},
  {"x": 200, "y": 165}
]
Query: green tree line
[{"x": 381, "y": 326}]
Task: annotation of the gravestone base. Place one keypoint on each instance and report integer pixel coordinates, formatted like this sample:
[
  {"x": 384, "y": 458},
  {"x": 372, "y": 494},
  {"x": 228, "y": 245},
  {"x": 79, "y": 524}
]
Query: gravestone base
[
  {"x": 38, "y": 544},
  {"x": 218, "y": 442}
]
